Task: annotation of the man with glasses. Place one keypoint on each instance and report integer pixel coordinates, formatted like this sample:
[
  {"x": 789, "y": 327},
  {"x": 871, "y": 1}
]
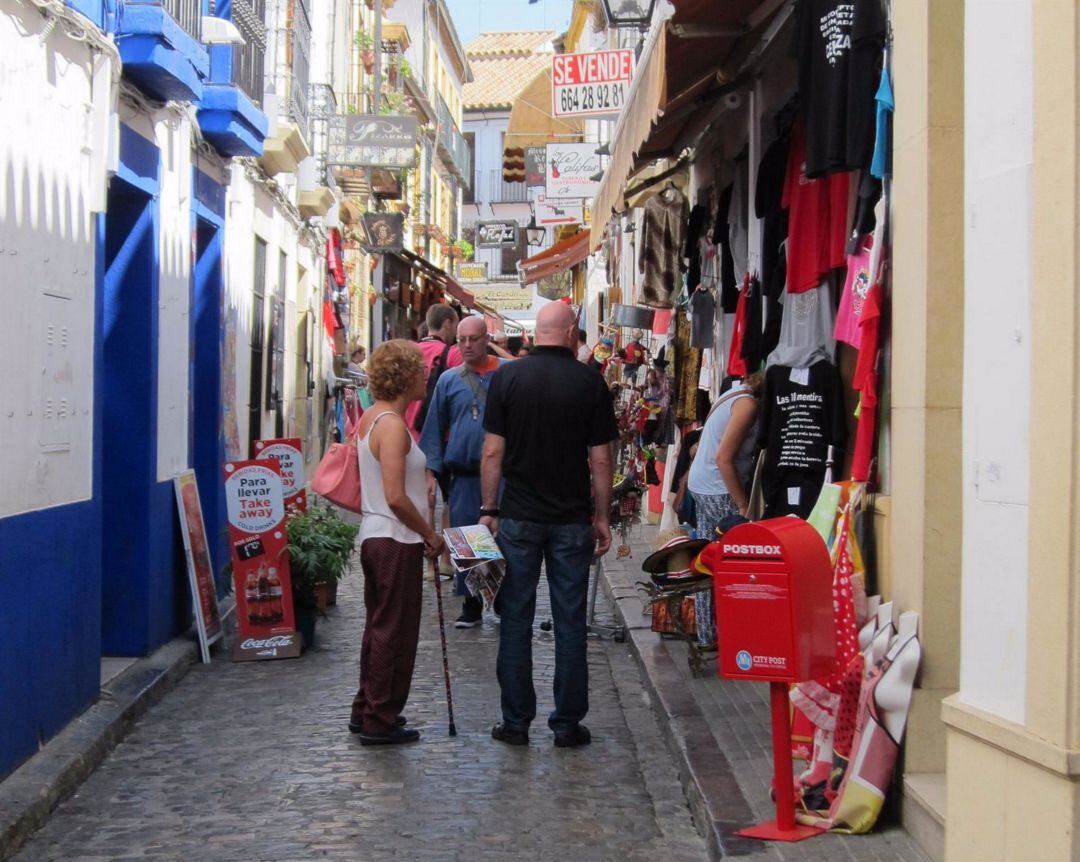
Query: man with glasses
[{"x": 453, "y": 439}]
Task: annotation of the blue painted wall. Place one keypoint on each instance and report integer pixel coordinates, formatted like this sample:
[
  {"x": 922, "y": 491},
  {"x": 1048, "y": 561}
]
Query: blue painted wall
[
  {"x": 144, "y": 587},
  {"x": 207, "y": 440},
  {"x": 50, "y": 578}
]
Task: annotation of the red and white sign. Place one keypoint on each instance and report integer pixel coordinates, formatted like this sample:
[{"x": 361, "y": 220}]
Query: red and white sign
[
  {"x": 257, "y": 536},
  {"x": 289, "y": 453},
  {"x": 550, "y": 212},
  {"x": 570, "y": 172},
  {"x": 596, "y": 84},
  {"x": 200, "y": 569}
]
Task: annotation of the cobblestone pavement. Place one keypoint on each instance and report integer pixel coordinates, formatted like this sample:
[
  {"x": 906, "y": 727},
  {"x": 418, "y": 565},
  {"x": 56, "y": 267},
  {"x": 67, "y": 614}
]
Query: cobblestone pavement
[{"x": 254, "y": 762}]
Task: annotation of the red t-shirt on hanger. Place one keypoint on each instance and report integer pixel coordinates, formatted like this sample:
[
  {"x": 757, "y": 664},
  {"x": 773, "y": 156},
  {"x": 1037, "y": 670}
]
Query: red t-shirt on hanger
[{"x": 817, "y": 219}]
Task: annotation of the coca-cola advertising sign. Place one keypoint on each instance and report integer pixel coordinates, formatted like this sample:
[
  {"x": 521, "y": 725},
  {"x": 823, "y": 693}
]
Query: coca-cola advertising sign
[
  {"x": 255, "y": 501},
  {"x": 200, "y": 568},
  {"x": 570, "y": 172},
  {"x": 288, "y": 452}
]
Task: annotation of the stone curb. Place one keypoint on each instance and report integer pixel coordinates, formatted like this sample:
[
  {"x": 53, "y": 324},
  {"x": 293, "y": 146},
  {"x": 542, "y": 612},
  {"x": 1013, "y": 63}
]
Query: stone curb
[
  {"x": 29, "y": 795},
  {"x": 716, "y": 802}
]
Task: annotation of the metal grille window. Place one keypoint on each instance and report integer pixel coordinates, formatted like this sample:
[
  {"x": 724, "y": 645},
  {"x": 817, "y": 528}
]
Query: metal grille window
[
  {"x": 298, "y": 59},
  {"x": 248, "y": 59},
  {"x": 186, "y": 13}
]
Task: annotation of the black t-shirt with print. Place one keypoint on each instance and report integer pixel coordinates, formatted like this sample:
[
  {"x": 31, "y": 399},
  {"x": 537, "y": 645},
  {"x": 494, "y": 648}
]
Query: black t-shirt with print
[
  {"x": 802, "y": 415},
  {"x": 551, "y": 409},
  {"x": 838, "y": 44}
]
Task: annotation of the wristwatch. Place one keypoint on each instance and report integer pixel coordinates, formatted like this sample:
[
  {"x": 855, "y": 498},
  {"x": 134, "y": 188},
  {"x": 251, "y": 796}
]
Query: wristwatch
[{"x": 489, "y": 511}]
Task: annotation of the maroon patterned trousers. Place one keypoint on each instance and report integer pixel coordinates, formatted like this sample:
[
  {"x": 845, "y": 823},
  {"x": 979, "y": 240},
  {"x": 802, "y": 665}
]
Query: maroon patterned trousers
[{"x": 393, "y": 587}]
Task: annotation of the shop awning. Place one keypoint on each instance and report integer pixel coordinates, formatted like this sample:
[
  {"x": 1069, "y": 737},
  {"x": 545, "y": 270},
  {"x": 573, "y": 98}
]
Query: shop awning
[
  {"x": 559, "y": 258},
  {"x": 460, "y": 293},
  {"x": 531, "y": 124},
  {"x": 690, "y": 61}
]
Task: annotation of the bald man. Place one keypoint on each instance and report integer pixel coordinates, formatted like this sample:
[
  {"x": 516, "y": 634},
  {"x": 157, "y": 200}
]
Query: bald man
[
  {"x": 550, "y": 424},
  {"x": 452, "y": 438}
]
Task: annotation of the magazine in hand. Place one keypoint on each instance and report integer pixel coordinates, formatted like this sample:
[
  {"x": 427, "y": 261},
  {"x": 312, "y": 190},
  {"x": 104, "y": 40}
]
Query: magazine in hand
[{"x": 474, "y": 552}]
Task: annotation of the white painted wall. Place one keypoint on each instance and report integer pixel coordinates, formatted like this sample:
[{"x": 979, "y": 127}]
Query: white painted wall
[
  {"x": 997, "y": 354},
  {"x": 48, "y": 181}
]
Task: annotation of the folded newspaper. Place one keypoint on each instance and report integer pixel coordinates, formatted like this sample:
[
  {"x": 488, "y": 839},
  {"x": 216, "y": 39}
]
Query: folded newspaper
[{"x": 473, "y": 551}]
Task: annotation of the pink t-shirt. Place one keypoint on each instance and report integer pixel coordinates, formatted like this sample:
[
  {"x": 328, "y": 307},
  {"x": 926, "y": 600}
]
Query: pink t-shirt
[
  {"x": 430, "y": 349},
  {"x": 856, "y": 288}
]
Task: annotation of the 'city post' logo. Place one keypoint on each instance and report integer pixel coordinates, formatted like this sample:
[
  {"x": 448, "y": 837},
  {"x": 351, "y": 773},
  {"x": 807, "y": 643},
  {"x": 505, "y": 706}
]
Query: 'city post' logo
[{"x": 743, "y": 660}]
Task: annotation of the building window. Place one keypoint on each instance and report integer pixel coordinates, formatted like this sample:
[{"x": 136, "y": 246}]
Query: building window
[{"x": 468, "y": 191}]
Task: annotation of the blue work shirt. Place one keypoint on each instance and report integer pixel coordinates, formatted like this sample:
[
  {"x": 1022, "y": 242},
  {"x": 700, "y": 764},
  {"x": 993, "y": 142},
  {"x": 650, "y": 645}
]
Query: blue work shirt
[{"x": 452, "y": 439}]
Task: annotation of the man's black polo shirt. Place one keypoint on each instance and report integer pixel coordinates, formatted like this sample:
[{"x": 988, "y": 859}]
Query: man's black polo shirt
[{"x": 551, "y": 409}]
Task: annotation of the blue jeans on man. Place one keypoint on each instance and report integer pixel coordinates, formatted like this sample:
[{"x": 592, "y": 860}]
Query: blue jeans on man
[{"x": 566, "y": 552}]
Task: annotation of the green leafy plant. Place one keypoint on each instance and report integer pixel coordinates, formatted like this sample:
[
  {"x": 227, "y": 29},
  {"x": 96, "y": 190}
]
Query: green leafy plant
[
  {"x": 465, "y": 249},
  {"x": 320, "y": 548},
  {"x": 364, "y": 41}
]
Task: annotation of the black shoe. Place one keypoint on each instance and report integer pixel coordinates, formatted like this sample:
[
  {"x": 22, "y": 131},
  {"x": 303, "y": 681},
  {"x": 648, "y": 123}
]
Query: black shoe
[
  {"x": 397, "y": 736},
  {"x": 509, "y": 735},
  {"x": 472, "y": 614},
  {"x": 357, "y": 727},
  {"x": 573, "y": 738}
]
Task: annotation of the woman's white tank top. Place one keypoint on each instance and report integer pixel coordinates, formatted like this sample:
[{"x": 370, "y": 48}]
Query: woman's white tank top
[{"x": 378, "y": 521}]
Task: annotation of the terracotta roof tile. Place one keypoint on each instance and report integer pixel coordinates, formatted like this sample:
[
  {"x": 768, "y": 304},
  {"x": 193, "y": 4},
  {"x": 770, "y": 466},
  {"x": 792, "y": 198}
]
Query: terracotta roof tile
[
  {"x": 498, "y": 80},
  {"x": 509, "y": 43}
]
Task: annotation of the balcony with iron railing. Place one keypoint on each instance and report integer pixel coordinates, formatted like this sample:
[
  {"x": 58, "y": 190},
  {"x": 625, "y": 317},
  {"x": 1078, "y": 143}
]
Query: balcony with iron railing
[
  {"x": 249, "y": 59},
  {"x": 160, "y": 50},
  {"x": 451, "y": 142},
  {"x": 492, "y": 188}
]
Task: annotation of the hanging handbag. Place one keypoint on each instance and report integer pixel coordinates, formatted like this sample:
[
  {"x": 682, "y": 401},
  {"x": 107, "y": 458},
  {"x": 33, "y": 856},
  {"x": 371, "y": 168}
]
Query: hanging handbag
[{"x": 337, "y": 478}]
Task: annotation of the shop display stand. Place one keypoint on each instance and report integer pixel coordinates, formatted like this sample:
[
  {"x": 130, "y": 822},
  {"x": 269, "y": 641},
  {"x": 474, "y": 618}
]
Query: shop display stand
[{"x": 616, "y": 633}]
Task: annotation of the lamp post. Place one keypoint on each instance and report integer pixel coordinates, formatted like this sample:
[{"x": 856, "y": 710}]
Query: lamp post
[
  {"x": 626, "y": 14},
  {"x": 534, "y": 233}
]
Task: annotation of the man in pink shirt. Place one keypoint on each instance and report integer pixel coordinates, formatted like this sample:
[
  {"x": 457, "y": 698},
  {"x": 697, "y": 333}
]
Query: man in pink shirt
[{"x": 437, "y": 347}]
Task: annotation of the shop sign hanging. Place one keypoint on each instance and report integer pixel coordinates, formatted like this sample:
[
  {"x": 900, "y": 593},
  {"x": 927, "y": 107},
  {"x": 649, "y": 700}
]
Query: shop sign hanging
[
  {"x": 595, "y": 84},
  {"x": 200, "y": 569},
  {"x": 504, "y": 298},
  {"x": 372, "y": 140},
  {"x": 535, "y": 167},
  {"x": 289, "y": 454},
  {"x": 266, "y": 625},
  {"x": 475, "y": 271},
  {"x": 549, "y": 212},
  {"x": 497, "y": 234},
  {"x": 385, "y": 232},
  {"x": 570, "y": 171}
]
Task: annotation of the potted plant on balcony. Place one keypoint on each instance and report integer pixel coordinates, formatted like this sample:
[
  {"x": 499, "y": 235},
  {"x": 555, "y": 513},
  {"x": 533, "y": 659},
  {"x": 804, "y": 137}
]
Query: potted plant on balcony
[
  {"x": 320, "y": 548},
  {"x": 463, "y": 250},
  {"x": 366, "y": 43}
]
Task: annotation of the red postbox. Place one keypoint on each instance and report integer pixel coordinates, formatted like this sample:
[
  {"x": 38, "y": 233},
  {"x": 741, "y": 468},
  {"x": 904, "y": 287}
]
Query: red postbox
[{"x": 772, "y": 585}]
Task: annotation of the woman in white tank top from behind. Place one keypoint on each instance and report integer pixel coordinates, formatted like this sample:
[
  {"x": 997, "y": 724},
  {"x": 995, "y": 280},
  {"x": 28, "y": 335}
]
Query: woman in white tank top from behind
[{"x": 394, "y": 537}]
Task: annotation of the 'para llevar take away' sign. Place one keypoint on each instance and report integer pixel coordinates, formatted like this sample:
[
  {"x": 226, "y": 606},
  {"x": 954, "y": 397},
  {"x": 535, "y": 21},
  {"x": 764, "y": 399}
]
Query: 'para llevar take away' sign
[
  {"x": 255, "y": 502},
  {"x": 289, "y": 453}
]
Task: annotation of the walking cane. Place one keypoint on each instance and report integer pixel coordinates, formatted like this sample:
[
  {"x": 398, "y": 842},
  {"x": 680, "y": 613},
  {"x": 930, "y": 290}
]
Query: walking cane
[{"x": 434, "y": 564}]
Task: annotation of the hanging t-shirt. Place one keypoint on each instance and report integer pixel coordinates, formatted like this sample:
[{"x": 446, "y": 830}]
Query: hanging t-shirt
[
  {"x": 817, "y": 222},
  {"x": 736, "y": 366},
  {"x": 806, "y": 330},
  {"x": 802, "y": 415},
  {"x": 881, "y": 164},
  {"x": 838, "y": 45},
  {"x": 702, "y": 319},
  {"x": 729, "y": 283},
  {"x": 866, "y": 382},
  {"x": 739, "y": 220},
  {"x": 753, "y": 349},
  {"x": 856, "y": 286}
]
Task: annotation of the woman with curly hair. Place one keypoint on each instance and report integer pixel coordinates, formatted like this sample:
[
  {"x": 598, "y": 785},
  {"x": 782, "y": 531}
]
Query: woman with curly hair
[{"x": 394, "y": 537}]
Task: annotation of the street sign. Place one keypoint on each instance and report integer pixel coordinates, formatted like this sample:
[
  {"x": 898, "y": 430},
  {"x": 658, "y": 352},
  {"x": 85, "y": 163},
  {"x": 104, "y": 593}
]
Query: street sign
[
  {"x": 475, "y": 271},
  {"x": 372, "y": 140},
  {"x": 590, "y": 85},
  {"x": 570, "y": 171},
  {"x": 386, "y": 232},
  {"x": 550, "y": 212},
  {"x": 496, "y": 234}
]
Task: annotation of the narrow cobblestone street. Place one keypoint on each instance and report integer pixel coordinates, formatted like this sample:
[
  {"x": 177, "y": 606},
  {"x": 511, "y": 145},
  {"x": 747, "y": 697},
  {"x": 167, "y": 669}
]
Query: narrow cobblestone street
[{"x": 254, "y": 762}]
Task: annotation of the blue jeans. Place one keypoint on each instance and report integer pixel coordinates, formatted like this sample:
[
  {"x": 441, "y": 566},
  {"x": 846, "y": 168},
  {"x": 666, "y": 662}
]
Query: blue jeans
[{"x": 566, "y": 551}]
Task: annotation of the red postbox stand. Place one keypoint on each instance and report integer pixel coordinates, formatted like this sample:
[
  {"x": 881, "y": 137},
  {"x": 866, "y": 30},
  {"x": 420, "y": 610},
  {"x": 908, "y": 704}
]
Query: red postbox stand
[{"x": 772, "y": 581}]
